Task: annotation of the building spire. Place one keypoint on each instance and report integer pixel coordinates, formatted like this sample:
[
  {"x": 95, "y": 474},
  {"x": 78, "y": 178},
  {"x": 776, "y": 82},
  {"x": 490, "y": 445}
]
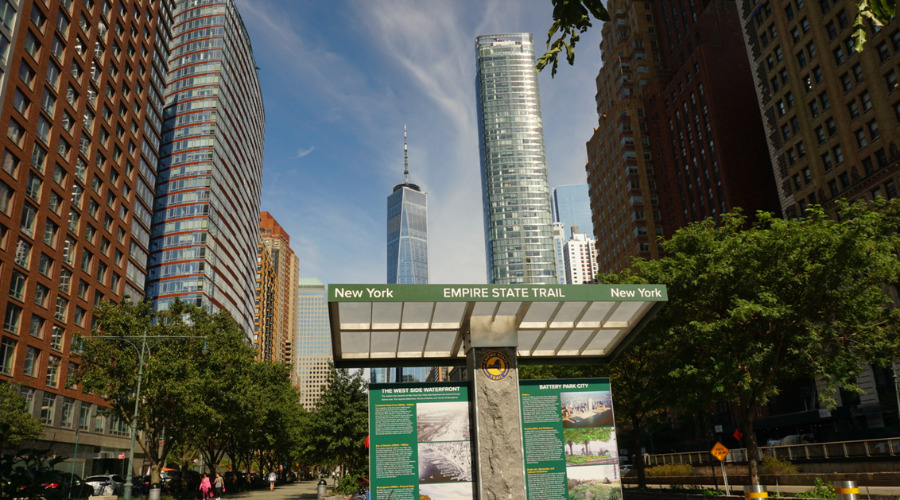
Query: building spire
[{"x": 405, "y": 158}]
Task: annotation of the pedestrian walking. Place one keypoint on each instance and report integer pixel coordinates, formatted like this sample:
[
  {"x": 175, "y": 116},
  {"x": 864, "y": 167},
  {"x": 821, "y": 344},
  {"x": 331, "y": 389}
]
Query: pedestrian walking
[
  {"x": 219, "y": 486},
  {"x": 272, "y": 478},
  {"x": 205, "y": 487}
]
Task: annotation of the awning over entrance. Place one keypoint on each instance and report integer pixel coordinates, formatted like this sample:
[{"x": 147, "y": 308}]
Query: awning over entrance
[{"x": 419, "y": 325}]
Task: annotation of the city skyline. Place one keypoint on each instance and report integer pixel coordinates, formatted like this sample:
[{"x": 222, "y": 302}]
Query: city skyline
[{"x": 335, "y": 99}]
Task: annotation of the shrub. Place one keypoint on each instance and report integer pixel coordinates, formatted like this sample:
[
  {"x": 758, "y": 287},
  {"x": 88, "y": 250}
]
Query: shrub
[
  {"x": 670, "y": 470},
  {"x": 820, "y": 490},
  {"x": 772, "y": 465},
  {"x": 348, "y": 483}
]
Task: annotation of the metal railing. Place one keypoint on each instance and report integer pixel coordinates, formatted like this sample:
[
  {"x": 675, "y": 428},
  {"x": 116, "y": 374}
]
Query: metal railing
[{"x": 807, "y": 452}]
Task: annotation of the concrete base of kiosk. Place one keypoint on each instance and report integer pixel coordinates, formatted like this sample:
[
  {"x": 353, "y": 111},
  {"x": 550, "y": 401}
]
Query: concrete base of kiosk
[{"x": 493, "y": 372}]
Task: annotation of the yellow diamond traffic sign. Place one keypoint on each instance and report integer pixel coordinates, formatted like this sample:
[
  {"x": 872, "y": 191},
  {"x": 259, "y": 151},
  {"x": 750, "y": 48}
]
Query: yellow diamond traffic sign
[{"x": 719, "y": 451}]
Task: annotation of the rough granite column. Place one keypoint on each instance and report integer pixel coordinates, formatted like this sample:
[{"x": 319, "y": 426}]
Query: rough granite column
[{"x": 492, "y": 368}]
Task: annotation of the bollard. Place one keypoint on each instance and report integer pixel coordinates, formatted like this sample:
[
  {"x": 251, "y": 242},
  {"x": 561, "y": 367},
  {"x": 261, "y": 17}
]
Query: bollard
[
  {"x": 322, "y": 489},
  {"x": 755, "y": 491},
  {"x": 846, "y": 490}
]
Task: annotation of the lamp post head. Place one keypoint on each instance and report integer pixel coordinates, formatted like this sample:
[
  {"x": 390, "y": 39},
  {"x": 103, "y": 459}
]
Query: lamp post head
[{"x": 205, "y": 348}]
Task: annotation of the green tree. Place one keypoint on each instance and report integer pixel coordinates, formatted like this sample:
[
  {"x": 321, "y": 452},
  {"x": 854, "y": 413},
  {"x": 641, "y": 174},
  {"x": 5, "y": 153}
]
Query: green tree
[
  {"x": 571, "y": 17},
  {"x": 16, "y": 424},
  {"x": 340, "y": 422},
  {"x": 753, "y": 305},
  {"x": 171, "y": 371}
]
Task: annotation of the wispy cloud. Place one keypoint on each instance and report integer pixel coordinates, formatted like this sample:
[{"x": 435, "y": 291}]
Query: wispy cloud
[
  {"x": 303, "y": 152},
  {"x": 346, "y": 76}
]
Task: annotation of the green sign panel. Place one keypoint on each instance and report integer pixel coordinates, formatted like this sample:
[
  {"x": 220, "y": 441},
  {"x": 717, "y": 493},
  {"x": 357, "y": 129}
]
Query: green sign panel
[
  {"x": 420, "y": 441},
  {"x": 570, "y": 439},
  {"x": 496, "y": 293}
]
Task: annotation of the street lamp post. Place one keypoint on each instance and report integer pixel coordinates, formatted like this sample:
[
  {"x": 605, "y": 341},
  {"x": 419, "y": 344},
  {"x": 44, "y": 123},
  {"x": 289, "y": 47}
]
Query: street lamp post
[
  {"x": 74, "y": 459},
  {"x": 129, "y": 478}
]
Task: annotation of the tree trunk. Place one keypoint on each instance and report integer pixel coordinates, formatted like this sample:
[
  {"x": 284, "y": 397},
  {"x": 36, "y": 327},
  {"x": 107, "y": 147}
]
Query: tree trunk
[
  {"x": 747, "y": 419},
  {"x": 638, "y": 459}
]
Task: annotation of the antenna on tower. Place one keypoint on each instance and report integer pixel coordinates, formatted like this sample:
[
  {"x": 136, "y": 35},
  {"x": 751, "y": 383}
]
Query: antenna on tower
[{"x": 405, "y": 158}]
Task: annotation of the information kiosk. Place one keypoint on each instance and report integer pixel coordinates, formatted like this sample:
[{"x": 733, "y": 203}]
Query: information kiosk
[{"x": 491, "y": 330}]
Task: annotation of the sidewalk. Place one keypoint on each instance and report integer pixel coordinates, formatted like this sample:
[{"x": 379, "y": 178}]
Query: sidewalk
[{"x": 298, "y": 490}]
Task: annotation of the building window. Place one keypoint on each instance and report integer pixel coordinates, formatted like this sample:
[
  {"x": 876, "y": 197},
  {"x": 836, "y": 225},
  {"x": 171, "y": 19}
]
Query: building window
[
  {"x": 17, "y": 285},
  {"x": 865, "y": 100},
  {"x": 874, "y": 133},
  {"x": 861, "y": 141},
  {"x": 826, "y": 162},
  {"x": 32, "y": 360},
  {"x": 56, "y": 337},
  {"x": 7, "y": 355},
  {"x": 48, "y": 408}
]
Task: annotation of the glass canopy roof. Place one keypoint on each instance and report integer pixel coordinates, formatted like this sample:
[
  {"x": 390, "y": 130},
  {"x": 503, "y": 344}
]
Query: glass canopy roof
[{"x": 416, "y": 325}]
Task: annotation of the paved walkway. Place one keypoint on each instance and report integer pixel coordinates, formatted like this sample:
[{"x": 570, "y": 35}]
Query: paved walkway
[{"x": 298, "y": 490}]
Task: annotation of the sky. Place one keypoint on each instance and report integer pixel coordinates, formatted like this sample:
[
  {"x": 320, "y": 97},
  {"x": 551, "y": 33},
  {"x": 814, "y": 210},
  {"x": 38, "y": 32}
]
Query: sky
[{"x": 340, "y": 79}]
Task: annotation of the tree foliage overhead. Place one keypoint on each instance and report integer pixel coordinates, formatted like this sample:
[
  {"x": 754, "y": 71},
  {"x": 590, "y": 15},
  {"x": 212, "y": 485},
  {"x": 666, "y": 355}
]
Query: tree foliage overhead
[{"x": 571, "y": 17}]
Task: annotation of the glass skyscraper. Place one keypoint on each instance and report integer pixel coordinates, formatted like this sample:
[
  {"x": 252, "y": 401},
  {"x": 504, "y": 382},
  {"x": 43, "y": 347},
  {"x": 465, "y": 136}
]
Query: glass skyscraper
[
  {"x": 206, "y": 211},
  {"x": 516, "y": 195},
  {"x": 407, "y": 231},
  {"x": 313, "y": 340},
  {"x": 572, "y": 207}
]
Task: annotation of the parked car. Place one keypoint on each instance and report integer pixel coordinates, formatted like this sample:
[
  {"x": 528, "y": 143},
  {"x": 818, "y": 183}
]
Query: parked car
[
  {"x": 59, "y": 484},
  {"x": 106, "y": 484}
]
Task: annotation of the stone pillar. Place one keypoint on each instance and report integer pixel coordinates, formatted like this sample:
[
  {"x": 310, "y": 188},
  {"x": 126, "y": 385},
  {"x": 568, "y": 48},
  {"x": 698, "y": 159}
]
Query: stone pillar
[{"x": 492, "y": 367}]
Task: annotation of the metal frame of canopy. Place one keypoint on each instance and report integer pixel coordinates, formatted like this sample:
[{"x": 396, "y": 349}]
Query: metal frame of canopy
[{"x": 419, "y": 325}]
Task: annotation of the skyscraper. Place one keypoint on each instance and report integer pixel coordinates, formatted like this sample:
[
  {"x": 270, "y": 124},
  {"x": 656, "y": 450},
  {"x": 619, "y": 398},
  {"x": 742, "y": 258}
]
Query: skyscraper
[
  {"x": 830, "y": 113},
  {"x": 81, "y": 88},
  {"x": 277, "y": 344},
  {"x": 559, "y": 249},
  {"x": 205, "y": 227},
  {"x": 407, "y": 230},
  {"x": 581, "y": 259},
  {"x": 678, "y": 139},
  {"x": 572, "y": 207},
  {"x": 313, "y": 340},
  {"x": 517, "y": 217}
]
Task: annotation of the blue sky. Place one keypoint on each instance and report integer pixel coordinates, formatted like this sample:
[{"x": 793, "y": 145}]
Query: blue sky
[{"x": 341, "y": 78}]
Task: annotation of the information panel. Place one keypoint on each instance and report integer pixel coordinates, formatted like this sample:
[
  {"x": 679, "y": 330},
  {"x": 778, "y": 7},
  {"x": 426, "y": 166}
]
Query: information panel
[
  {"x": 570, "y": 439},
  {"x": 420, "y": 442}
]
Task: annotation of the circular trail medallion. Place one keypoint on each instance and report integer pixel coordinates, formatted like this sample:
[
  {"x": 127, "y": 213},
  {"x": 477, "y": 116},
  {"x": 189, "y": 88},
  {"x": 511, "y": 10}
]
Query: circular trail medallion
[{"x": 495, "y": 365}]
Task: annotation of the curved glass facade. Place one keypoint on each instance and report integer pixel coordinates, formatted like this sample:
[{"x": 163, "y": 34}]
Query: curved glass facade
[
  {"x": 206, "y": 211},
  {"x": 516, "y": 194}
]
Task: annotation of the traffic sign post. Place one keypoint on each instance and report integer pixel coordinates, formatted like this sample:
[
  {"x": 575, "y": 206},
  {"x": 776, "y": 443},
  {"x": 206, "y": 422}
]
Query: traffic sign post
[{"x": 721, "y": 453}]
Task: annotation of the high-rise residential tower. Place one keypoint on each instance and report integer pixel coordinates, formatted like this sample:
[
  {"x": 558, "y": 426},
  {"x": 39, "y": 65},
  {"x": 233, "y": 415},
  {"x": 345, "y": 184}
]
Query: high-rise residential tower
[
  {"x": 580, "y": 259},
  {"x": 81, "y": 94},
  {"x": 831, "y": 114},
  {"x": 313, "y": 340},
  {"x": 277, "y": 344},
  {"x": 516, "y": 196},
  {"x": 572, "y": 207},
  {"x": 678, "y": 138},
  {"x": 407, "y": 230},
  {"x": 206, "y": 219}
]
